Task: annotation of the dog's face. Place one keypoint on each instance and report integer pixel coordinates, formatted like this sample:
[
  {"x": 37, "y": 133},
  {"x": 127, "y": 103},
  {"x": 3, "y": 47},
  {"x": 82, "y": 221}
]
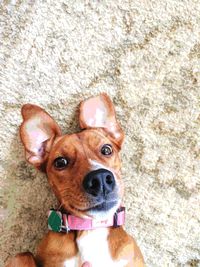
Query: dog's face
[{"x": 83, "y": 168}]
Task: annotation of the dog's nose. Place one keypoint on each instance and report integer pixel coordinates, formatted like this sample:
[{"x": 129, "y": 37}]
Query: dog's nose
[{"x": 99, "y": 182}]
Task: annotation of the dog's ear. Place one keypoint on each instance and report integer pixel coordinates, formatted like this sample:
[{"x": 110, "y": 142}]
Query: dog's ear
[
  {"x": 99, "y": 112},
  {"x": 38, "y": 131}
]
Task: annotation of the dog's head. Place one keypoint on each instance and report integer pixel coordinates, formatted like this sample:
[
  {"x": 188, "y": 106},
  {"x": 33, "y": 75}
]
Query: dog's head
[{"x": 83, "y": 168}]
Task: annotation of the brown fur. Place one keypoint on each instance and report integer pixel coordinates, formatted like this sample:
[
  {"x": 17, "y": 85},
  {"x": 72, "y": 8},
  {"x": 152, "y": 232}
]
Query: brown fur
[
  {"x": 123, "y": 245},
  {"x": 55, "y": 248},
  {"x": 22, "y": 260}
]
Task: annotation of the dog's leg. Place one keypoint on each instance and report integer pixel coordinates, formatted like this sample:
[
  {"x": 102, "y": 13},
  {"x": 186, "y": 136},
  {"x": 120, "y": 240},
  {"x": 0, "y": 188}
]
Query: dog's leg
[{"x": 25, "y": 259}]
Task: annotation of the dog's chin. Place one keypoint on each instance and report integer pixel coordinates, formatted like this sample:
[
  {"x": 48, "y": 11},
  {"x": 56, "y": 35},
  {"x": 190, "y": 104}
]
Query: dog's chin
[
  {"x": 104, "y": 210},
  {"x": 100, "y": 211}
]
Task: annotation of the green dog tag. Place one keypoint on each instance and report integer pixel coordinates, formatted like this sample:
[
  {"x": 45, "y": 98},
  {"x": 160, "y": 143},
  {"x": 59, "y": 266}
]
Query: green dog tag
[{"x": 55, "y": 221}]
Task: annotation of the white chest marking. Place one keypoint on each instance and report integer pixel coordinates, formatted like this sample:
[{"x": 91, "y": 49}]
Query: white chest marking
[
  {"x": 73, "y": 262},
  {"x": 93, "y": 247}
]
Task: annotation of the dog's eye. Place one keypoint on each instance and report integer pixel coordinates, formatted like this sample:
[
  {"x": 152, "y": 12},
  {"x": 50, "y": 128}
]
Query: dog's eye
[
  {"x": 106, "y": 150},
  {"x": 60, "y": 163}
]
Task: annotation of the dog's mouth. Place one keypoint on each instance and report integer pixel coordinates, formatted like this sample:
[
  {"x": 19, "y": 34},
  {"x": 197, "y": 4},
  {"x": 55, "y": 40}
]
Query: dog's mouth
[{"x": 103, "y": 206}]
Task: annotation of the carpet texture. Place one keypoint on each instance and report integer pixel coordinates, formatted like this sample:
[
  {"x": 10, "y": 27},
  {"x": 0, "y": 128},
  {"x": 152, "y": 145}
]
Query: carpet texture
[{"x": 146, "y": 56}]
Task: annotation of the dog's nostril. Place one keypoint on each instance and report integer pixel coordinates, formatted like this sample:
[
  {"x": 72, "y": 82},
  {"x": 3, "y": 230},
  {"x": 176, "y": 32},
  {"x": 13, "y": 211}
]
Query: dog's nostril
[
  {"x": 94, "y": 184},
  {"x": 109, "y": 179}
]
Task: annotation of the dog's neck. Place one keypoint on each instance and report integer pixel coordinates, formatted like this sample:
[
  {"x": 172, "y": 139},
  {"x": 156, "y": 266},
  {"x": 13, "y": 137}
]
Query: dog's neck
[{"x": 64, "y": 222}]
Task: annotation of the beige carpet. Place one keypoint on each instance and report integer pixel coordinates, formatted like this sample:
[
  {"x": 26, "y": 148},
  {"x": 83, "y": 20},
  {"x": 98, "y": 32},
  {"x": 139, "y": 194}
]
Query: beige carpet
[{"x": 146, "y": 56}]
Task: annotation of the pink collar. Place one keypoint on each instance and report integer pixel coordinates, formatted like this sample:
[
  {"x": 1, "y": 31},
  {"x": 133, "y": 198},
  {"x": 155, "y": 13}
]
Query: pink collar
[{"x": 63, "y": 222}]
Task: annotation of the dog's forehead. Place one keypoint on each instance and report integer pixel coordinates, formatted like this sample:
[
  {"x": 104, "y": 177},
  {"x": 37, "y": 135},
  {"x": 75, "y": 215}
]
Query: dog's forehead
[{"x": 90, "y": 138}]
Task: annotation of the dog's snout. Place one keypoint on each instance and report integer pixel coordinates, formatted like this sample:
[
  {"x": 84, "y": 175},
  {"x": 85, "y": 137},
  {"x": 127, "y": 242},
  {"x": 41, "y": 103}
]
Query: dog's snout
[{"x": 99, "y": 182}]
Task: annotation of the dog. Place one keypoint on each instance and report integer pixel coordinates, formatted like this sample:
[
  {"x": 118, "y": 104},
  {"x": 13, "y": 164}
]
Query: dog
[{"x": 83, "y": 170}]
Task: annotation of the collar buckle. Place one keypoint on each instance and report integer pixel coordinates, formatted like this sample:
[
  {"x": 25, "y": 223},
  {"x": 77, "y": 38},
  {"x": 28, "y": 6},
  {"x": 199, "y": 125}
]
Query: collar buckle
[{"x": 115, "y": 218}]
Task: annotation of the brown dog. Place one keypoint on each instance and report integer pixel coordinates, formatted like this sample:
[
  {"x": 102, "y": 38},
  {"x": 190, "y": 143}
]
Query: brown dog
[{"x": 83, "y": 170}]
